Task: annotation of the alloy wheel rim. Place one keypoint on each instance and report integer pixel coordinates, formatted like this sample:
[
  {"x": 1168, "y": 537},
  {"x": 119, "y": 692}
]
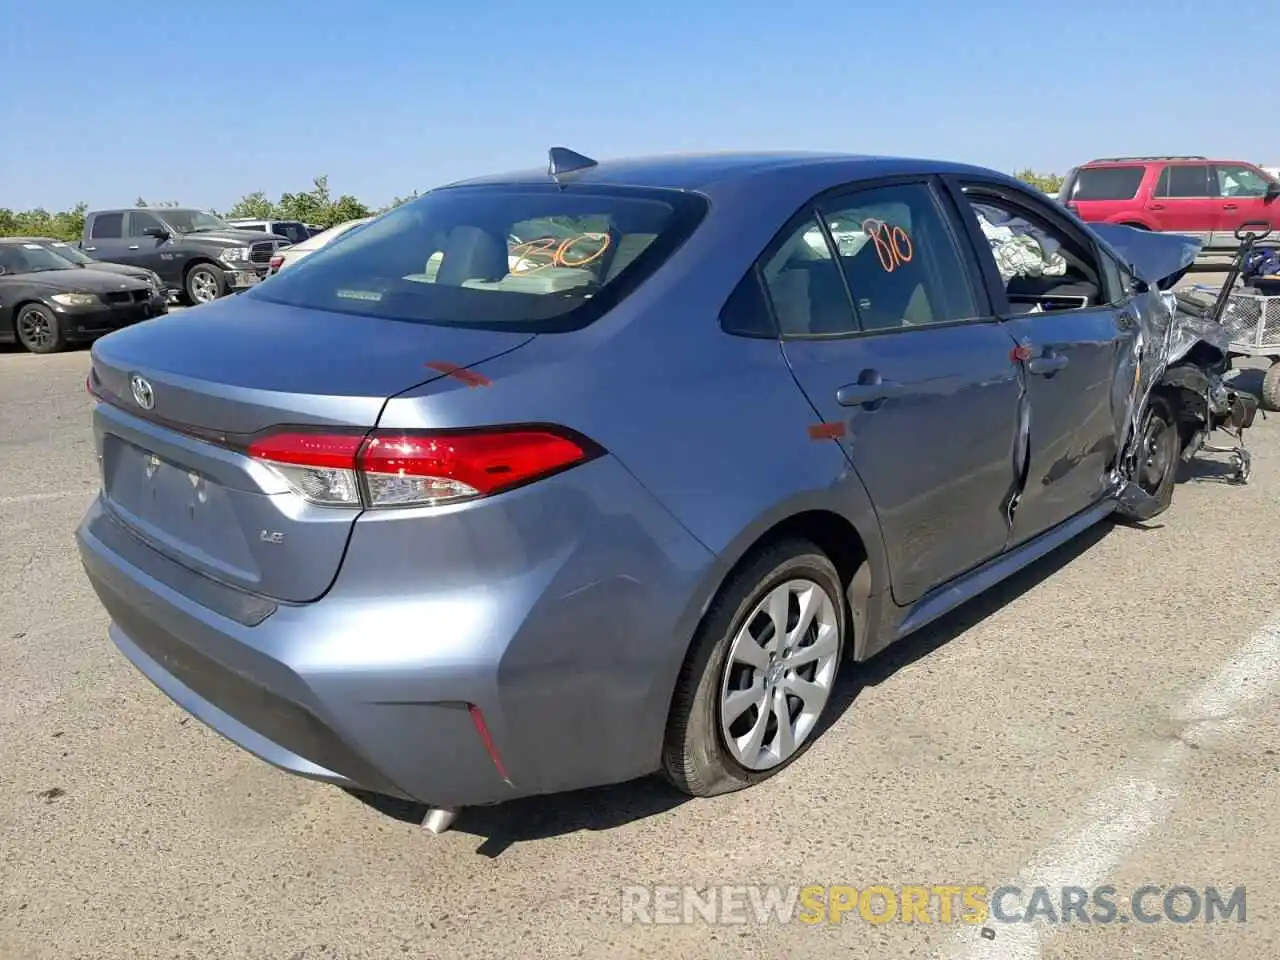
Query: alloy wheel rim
[
  {"x": 34, "y": 329},
  {"x": 204, "y": 287},
  {"x": 779, "y": 673}
]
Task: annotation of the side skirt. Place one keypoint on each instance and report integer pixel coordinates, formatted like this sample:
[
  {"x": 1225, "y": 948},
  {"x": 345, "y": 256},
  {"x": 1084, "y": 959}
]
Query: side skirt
[{"x": 946, "y": 598}]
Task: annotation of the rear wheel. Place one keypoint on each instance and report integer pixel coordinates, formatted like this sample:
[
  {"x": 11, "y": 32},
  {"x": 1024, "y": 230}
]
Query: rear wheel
[
  {"x": 205, "y": 283},
  {"x": 759, "y": 676},
  {"x": 38, "y": 329}
]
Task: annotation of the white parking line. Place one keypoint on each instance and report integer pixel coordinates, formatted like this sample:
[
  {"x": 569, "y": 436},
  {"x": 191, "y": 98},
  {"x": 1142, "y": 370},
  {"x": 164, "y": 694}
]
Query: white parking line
[
  {"x": 39, "y": 497},
  {"x": 1140, "y": 797}
]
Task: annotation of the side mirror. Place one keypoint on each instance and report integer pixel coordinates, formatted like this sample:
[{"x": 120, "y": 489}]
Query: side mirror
[
  {"x": 1273, "y": 190},
  {"x": 160, "y": 233}
]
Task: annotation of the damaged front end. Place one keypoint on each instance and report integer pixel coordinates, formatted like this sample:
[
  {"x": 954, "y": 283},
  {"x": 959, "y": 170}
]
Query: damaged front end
[{"x": 1179, "y": 363}]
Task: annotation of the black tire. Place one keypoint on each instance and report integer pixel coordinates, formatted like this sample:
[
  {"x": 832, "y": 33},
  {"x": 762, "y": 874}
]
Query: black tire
[
  {"x": 200, "y": 280},
  {"x": 38, "y": 329},
  {"x": 1271, "y": 387},
  {"x": 1160, "y": 452},
  {"x": 695, "y": 757}
]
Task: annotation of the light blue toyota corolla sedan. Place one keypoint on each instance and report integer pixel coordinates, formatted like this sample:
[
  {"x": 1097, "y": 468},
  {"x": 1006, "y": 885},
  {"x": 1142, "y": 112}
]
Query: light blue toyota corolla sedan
[{"x": 565, "y": 477}]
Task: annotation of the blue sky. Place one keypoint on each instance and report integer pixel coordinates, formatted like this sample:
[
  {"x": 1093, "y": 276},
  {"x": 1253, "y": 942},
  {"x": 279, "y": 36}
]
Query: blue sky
[{"x": 204, "y": 102}]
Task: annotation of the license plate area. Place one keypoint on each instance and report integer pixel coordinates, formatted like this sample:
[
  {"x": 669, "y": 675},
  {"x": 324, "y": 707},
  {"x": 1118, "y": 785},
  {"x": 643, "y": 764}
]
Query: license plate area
[{"x": 181, "y": 511}]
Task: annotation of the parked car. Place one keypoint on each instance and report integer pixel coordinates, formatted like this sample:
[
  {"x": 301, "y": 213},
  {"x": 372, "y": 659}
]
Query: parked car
[
  {"x": 291, "y": 255},
  {"x": 199, "y": 257},
  {"x": 78, "y": 258},
  {"x": 624, "y": 501},
  {"x": 1204, "y": 198},
  {"x": 48, "y": 302},
  {"x": 291, "y": 230}
]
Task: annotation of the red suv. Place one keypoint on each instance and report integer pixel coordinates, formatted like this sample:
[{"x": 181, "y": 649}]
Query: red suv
[{"x": 1203, "y": 198}]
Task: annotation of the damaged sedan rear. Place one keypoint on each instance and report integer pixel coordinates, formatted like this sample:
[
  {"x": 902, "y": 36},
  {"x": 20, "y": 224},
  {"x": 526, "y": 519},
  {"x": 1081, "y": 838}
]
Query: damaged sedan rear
[{"x": 609, "y": 469}]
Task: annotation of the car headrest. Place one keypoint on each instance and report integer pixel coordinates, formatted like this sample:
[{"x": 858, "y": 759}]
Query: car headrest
[{"x": 471, "y": 253}]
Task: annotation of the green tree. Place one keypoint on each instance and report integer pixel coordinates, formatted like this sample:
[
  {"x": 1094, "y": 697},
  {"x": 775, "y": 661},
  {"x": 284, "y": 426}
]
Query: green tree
[
  {"x": 399, "y": 201},
  {"x": 253, "y": 206},
  {"x": 1044, "y": 182}
]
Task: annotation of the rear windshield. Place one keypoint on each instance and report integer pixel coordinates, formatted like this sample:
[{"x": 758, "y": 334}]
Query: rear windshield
[
  {"x": 1107, "y": 183},
  {"x": 501, "y": 257}
]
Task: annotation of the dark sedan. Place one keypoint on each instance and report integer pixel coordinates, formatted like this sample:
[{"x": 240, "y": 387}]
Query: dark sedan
[{"x": 48, "y": 302}]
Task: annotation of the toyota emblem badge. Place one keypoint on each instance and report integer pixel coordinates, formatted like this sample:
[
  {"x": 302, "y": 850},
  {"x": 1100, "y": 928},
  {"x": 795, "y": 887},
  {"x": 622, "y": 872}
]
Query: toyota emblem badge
[{"x": 143, "y": 395}]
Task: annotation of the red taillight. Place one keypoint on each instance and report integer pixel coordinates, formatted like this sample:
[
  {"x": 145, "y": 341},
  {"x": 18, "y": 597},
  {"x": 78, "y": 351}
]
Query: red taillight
[
  {"x": 395, "y": 469},
  {"x": 88, "y": 385},
  {"x": 325, "y": 450},
  {"x": 275, "y": 263}
]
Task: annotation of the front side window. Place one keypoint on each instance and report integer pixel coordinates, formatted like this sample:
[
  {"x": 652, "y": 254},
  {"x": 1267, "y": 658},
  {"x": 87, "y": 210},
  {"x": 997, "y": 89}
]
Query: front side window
[
  {"x": 1185, "y": 180},
  {"x": 139, "y": 223},
  {"x": 900, "y": 258},
  {"x": 194, "y": 221},
  {"x": 1237, "y": 180},
  {"x": 507, "y": 257},
  {"x": 1040, "y": 264}
]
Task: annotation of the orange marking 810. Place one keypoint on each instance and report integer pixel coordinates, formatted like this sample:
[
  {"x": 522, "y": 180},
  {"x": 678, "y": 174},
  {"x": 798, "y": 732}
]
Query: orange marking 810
[
  {"x": 539, "y": 254},
  {"x": 893, "y": 246}
]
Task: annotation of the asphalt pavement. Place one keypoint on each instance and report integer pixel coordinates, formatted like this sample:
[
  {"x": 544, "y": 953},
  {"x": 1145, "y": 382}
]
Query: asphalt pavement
[{"x": 1107, "y": 718}]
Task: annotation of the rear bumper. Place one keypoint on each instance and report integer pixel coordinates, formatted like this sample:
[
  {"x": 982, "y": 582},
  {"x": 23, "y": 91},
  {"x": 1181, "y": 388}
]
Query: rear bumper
[
  {"x": 253, "y": 683},
  {"x": 571, "y": 662}
]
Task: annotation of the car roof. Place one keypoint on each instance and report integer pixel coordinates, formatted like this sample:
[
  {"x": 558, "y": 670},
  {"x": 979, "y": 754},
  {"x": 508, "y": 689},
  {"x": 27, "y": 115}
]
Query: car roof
[
  {"x": 32, "y": 240},
  {"x": 95, "y": 213},
  {"x": 709, "y": 172}
]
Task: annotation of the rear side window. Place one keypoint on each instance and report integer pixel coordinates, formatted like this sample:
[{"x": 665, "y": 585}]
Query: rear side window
[
  {"x": 531, "y": 258},
  {"x": 108, "y": 226},
  {"x": 1107, "y": 183},
  {"x": 746, "y": 312},
  {"x": 1185, "y": 180}
]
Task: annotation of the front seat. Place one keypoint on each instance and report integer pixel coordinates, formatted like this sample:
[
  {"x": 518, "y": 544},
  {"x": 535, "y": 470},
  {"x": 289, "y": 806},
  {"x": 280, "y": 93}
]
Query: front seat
[{"x": 471, "y": 253}]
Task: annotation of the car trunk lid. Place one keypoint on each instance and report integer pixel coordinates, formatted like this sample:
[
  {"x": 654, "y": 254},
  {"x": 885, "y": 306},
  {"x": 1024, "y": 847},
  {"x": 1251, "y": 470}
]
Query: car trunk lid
[{"x": 185, "y": 394}]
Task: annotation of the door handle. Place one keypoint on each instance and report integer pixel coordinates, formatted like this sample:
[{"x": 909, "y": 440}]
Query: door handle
[
  {"x": 870, "y": 391},
  {"x": 1231, "y": 206},
  {"x": 133, "y": 246},
  {"x": 90, "y": 248},
  {"x": 1047, "y": 365},
  {"x": 1156, "y": 206}
]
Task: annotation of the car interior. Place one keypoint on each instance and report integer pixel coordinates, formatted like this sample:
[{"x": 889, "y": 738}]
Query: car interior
[
  {"x": 809, "y": 296},
  {"x": 1043, "y": 269},
  {"x": 537, "y": 257}
]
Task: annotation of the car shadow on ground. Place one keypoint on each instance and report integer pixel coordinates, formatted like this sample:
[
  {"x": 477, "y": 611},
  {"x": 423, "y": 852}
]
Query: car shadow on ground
[{"x": 602, "y": 808}]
